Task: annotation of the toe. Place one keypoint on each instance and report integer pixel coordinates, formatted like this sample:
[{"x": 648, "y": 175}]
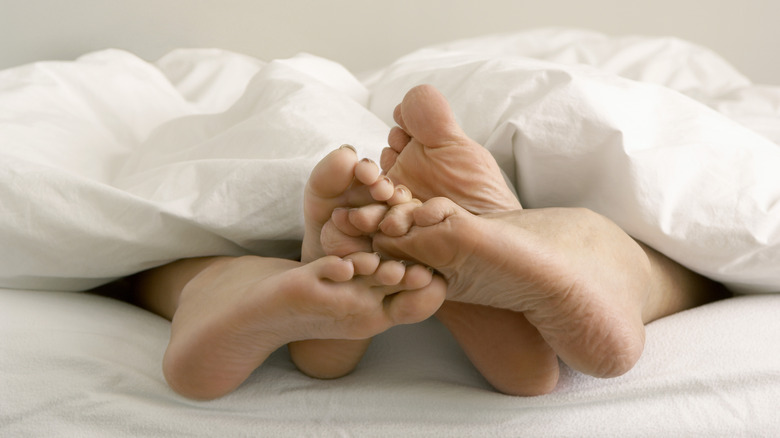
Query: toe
[
  {"x": 332, "y": 268},
  {"x": 435, "y": 211},
  {"x": 397, "y": 139},
  {"x": 398, "y": 116},
  {"x": 390, "y": 273},
  {"x": 333, "y": 242},
  {"x": 427, "y": 117},
  {"x": 399, "y": 219},
  {"x": 401, "y": 195},
  {"x": 387, "y": 159},
  {"x": 341, "y": 220},
  {"x": 412, "y": 306},
  {"x": 365, "y": 263},
  {"x": 382, "y": 189},
  {"x": 367, "y": 171},
  {"x": 417, "y": 276},
  {"x": 333, "y": 174},
  {"x": 366, "y": 219}
]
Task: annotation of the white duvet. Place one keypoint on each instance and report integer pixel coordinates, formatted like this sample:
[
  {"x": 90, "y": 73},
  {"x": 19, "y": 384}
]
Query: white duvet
[{"x": 111, "y": 164}]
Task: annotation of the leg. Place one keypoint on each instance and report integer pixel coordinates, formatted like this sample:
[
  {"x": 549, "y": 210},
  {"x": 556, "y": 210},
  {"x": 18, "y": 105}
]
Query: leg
[
  {"x": 578, "y": 278},
  {"x": 339, "y": 180},
  {"x": 431, "y": 155}
]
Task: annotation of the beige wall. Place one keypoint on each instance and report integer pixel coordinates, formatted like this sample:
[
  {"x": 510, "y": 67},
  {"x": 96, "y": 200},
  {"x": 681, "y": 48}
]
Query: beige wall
[{"x": 367, "y": 34}]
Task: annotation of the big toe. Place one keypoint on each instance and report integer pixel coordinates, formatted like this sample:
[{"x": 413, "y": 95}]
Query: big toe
[
  {"x": 426, "y": 115},
  {"x": 333, "y": 175},
  {"x": 413, "y": 306},
  {"x": 435, "y": 211}
]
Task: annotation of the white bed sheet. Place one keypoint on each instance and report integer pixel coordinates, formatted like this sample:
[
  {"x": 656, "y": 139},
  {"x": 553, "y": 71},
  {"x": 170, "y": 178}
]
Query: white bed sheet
[
  {"x": 81, "y": 365},
  {"x": 110, "y": 165}
]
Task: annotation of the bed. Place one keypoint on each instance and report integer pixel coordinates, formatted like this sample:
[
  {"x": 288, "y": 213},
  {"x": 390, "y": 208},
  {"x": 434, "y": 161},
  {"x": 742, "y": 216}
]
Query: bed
[{"x": 117, "y": 160}]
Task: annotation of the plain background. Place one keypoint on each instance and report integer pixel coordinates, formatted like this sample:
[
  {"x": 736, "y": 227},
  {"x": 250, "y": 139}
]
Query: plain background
[{"x": 365, "y": 34}]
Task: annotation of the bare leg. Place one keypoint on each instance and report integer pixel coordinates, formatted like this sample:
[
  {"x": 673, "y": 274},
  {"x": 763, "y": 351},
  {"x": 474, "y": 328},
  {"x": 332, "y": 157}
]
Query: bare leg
[
  {"x": 579, "y": 279},
  {"x": 431, "y": 155},
  {"x": 341, "y": 180}
]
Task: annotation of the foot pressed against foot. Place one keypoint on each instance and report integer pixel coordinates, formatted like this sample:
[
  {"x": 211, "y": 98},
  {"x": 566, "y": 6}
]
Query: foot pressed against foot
[
  {"x": 501, "y": 343},
  {"x": 430, "y": 154},
  {"x": 334, "y": 183},
  {"x": 340, "y": 181},
  {"x": 577, "y": 277},
  {"x": 235, "y": 313}
]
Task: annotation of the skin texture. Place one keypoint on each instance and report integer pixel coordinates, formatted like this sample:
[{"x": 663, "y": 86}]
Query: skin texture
[
  {"x": 585, "y": 299},
  {"x": 523, "y": 286},
  {"x": 430, "y": 154},
  {"x": 340, "y": 182},
  {"x": 229, "y": 313},
  {"x": 529, "y": 284}
]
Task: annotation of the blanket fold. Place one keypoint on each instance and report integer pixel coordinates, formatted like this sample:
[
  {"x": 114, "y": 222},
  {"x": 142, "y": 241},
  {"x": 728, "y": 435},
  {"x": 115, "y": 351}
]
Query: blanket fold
[{"x": 110, "y": 164}]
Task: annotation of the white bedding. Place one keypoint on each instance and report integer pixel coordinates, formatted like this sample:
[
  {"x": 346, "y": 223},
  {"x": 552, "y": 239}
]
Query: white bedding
[
  {"x": 80, "y": 365},
  {"x": 110, "y": 165}
]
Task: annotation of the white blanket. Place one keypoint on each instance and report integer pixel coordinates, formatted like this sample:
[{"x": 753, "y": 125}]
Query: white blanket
[
  {"x": 110, "y": 165},
  {"x": 108, "y": 168}
]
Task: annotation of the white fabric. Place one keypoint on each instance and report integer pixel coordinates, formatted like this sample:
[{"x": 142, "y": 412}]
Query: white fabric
[
  {"x": 108, "y": 168},
  {"x": 110, "y": 165},
  {"x": 671, "y": 62},
  {"x": 79, "y": 365},
  {"x": 672, "y": 172}
]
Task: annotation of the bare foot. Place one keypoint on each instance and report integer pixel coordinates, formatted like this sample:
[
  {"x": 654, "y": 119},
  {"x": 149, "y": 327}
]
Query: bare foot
[
  {"x": 430, "y": 154},
  {"x": 577, "y": 277},
  {"x": 501, "y": 343},
  {"x": 237, "y": 311},
  {"x": 340, "y": 181}
]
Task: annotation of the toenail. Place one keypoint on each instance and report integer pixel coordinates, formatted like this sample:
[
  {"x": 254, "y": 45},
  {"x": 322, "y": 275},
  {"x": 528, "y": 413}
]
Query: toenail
[
  {"x": 368, "y": 160},
  {"x": 348, "y": 146},
  {"x": 401, "y": 190},
  {"x": 387, "y": 178}
]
